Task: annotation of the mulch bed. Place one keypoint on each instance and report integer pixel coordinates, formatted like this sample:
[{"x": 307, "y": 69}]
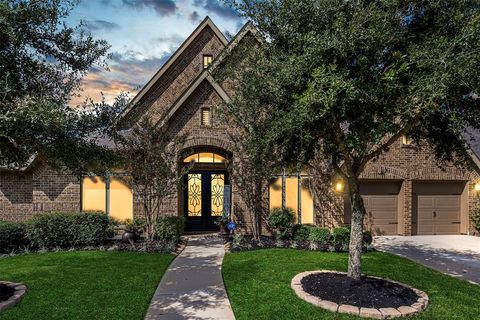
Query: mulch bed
[
  {"x": 5, "y": 292},
  {"x": 367, "y": 293}
]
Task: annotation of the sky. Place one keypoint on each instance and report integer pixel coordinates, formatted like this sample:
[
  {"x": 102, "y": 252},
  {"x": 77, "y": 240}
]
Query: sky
[{"x": 143, "y": 34}]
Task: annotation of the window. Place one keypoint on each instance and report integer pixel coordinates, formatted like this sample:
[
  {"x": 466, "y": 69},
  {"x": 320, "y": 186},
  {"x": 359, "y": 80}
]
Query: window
[
  {"x": 406, "y": 140},
  {"x": 206, "y": 118},
  {"x": 298, "y": 201},
  {"x": 207, "y": 60},
  {"x": 205, "y": 157},
  {"x": 94, "y": 196}
]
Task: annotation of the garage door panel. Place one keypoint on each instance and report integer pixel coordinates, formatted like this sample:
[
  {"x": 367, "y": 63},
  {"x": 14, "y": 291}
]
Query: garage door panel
[
  {"x": 438, "y": 213},
  {"x": 426, "y": 229},
  {"x": 384, "y": 229},
  {"x": 447, "y": 201},
  {"x": 447, "y": 228},
  {"x": 426, "y": 202},
  {"x": 381, "y": 214}
]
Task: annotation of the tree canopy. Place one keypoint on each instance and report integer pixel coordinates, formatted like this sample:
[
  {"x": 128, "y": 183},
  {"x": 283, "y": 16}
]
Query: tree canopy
[
  {"x": 350, "y": 78},
  {"x": 42, "y": 61}
]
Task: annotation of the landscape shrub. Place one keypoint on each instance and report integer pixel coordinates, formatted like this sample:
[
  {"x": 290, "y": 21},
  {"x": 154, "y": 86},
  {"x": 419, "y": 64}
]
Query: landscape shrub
[
  {"x": 319, "y": 235},
  {"x": 169, "y": 227},
  {"x": 476, "y": 218},
  {"x": 12, "y": 236},
  {"x": 137, "y": 225},
  {"x": 281, "y": 221},
  {"x": 91, "y": 229},
  {"x": 301, "y": 232},
  {"x": 341, "y": 236},
  {"x": 63, "y": 230}
]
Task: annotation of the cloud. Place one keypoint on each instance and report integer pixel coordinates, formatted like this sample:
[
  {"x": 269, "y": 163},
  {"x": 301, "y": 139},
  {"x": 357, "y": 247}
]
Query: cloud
[
  {"x": 194, "y": 17},
  {"x": 128, "y": 73},
  {"x": 162, "y": 7},
  {"x": 214, "y": 6},
  {"x": 95, "y": 25},
  {"x": 172, "y": 40}
]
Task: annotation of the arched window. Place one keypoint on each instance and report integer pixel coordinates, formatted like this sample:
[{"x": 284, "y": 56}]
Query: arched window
[{"x": 205, "y": 157}]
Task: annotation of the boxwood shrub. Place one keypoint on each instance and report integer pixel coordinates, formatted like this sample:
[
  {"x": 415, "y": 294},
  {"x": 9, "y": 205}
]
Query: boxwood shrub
[
  {"x": 281, "y": 221},
  {"x": 12, "y": 236},
  {"x": 170, "y": 227},
  {"x": 63, "y": 230},
  {"x": 319, "y": 235},
  {"x": 301, "y": 232},
  {"x": 341, "y": 236}
]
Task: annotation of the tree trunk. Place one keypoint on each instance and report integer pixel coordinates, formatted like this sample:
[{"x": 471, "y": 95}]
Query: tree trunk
[
  {"x": 356, "y": 234},
  {"x": 257, "y": 211}
]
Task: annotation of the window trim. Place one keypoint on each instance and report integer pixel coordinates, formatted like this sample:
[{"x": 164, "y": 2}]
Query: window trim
[
  {"x": 209, "y": 110},
  {"x": 206, "y": 56}
]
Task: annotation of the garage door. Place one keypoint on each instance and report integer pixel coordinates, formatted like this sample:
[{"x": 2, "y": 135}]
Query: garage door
[
  {"x": 438, "y": 214},
  {"x": 381, "y": 205},
  {"x": 437, "y": 207},
  {"x": 382, "y": 214}
]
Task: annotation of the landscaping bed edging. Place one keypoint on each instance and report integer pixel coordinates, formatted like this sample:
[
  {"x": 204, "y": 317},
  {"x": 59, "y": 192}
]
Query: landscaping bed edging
[
  {"x": 15, "y": 299},
  {"x": 381, "y": 313}
]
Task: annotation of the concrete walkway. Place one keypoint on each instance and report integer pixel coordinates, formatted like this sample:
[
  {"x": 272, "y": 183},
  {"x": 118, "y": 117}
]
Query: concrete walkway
[
  {"x": 456, "y": 255},
  {"x": 192, "y": 287}
]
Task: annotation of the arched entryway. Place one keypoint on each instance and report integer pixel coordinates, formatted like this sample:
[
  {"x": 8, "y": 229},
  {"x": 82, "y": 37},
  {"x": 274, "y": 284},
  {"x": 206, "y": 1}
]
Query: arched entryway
[{"x": 204, "y": 181}]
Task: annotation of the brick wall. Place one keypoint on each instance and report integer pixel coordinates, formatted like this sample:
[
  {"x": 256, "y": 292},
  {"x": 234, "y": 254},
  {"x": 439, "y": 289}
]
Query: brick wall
[
  {"x": 23, "y": 194},
  {"x": 415, "y": 163},
  {"x": 177, "y": 78}
]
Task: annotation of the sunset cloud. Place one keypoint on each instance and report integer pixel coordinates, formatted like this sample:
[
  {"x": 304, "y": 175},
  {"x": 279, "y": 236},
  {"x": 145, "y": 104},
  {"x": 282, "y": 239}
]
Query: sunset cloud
[{"x": 143, "y": 34}]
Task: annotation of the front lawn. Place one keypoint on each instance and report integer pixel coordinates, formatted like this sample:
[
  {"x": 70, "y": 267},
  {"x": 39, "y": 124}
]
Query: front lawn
[
  {"x": 258, "y": 284},
  {"x": 84, "y": 284}
]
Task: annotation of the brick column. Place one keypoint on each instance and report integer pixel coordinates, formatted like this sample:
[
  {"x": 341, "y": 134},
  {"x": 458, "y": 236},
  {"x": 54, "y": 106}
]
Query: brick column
[{"x": 407, "y": 211}]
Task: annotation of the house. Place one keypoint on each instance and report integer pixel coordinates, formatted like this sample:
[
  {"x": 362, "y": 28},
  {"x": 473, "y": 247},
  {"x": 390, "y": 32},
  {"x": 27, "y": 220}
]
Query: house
[{"x": 406, "y": 192}]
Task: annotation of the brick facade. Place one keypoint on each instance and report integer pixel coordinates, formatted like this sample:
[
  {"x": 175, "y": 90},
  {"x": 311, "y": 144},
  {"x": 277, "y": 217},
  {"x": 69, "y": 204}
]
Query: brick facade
[
  {"x": 42, "y": 189},
  {"x": 22, "y": 194}
]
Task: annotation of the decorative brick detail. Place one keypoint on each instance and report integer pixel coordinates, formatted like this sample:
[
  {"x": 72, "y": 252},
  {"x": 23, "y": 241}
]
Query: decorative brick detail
[
  {"x": 380, "y": 313},
  {"x": 23, "y": 194},
  {"x": 17, "y": 296}
]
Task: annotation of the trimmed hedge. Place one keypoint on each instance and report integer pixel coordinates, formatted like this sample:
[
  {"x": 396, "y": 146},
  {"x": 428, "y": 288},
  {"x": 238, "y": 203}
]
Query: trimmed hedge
[
  {"x": 170, "y": 227},
  {"x": 341, "y": 236},
  {"x": 12, "y": 236},
  {"x": 319, "y": 235},
  {"x": 301, "y": 232},
  {"x": 63, "y": 230},
  {"x": 281, "y": 221}
]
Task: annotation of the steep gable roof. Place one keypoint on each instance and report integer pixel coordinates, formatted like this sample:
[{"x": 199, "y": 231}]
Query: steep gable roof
[
  {"x": 207, "y": 22},
  {"x": 206, "y": 74}
]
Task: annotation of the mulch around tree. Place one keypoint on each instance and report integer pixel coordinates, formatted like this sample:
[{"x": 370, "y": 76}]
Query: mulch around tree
[
  {"x": 5, "y": 292},
  {"x": 366, "y": 293}
]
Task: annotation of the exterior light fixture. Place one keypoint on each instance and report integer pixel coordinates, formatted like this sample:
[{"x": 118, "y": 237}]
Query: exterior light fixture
[
  {"x": 477, "y": 187},
  {"x": 339, "y": 186}
]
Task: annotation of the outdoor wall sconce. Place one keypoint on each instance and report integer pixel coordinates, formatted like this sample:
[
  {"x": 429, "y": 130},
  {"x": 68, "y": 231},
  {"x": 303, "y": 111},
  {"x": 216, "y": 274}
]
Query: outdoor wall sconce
[{"x": 339, "y": 186}]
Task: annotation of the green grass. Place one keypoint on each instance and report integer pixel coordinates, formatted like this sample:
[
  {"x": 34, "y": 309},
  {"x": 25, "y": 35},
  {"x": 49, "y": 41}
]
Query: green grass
[
  {"x": 258, "y": 284},
  {"x": 84, "y": 284}
]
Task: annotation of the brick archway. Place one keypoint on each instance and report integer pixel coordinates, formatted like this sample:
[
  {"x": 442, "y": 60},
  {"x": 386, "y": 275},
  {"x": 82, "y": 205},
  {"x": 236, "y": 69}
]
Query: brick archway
[{"x": 383, "y": 172}]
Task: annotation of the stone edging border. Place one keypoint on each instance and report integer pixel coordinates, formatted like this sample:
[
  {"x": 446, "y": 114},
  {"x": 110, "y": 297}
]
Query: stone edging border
[
  {"x": 20, "y": 291},
  {"x": 381, "y": 313}
]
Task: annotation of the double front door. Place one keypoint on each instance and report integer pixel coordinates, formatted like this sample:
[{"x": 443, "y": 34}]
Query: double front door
[{"x": 203, "y": 199}]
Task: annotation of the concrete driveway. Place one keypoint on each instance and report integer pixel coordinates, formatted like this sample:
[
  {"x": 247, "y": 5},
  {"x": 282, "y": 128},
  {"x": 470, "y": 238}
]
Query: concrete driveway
[{"x": 456, "y": 255}]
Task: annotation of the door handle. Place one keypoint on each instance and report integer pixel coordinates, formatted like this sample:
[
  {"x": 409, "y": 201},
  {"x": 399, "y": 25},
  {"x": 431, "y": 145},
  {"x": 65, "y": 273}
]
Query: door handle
[{"x": 434, "y": 214}]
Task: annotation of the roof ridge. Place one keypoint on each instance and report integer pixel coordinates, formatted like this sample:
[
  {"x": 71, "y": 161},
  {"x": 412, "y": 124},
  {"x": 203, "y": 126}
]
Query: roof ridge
[{"x": 205, "y": 22}]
